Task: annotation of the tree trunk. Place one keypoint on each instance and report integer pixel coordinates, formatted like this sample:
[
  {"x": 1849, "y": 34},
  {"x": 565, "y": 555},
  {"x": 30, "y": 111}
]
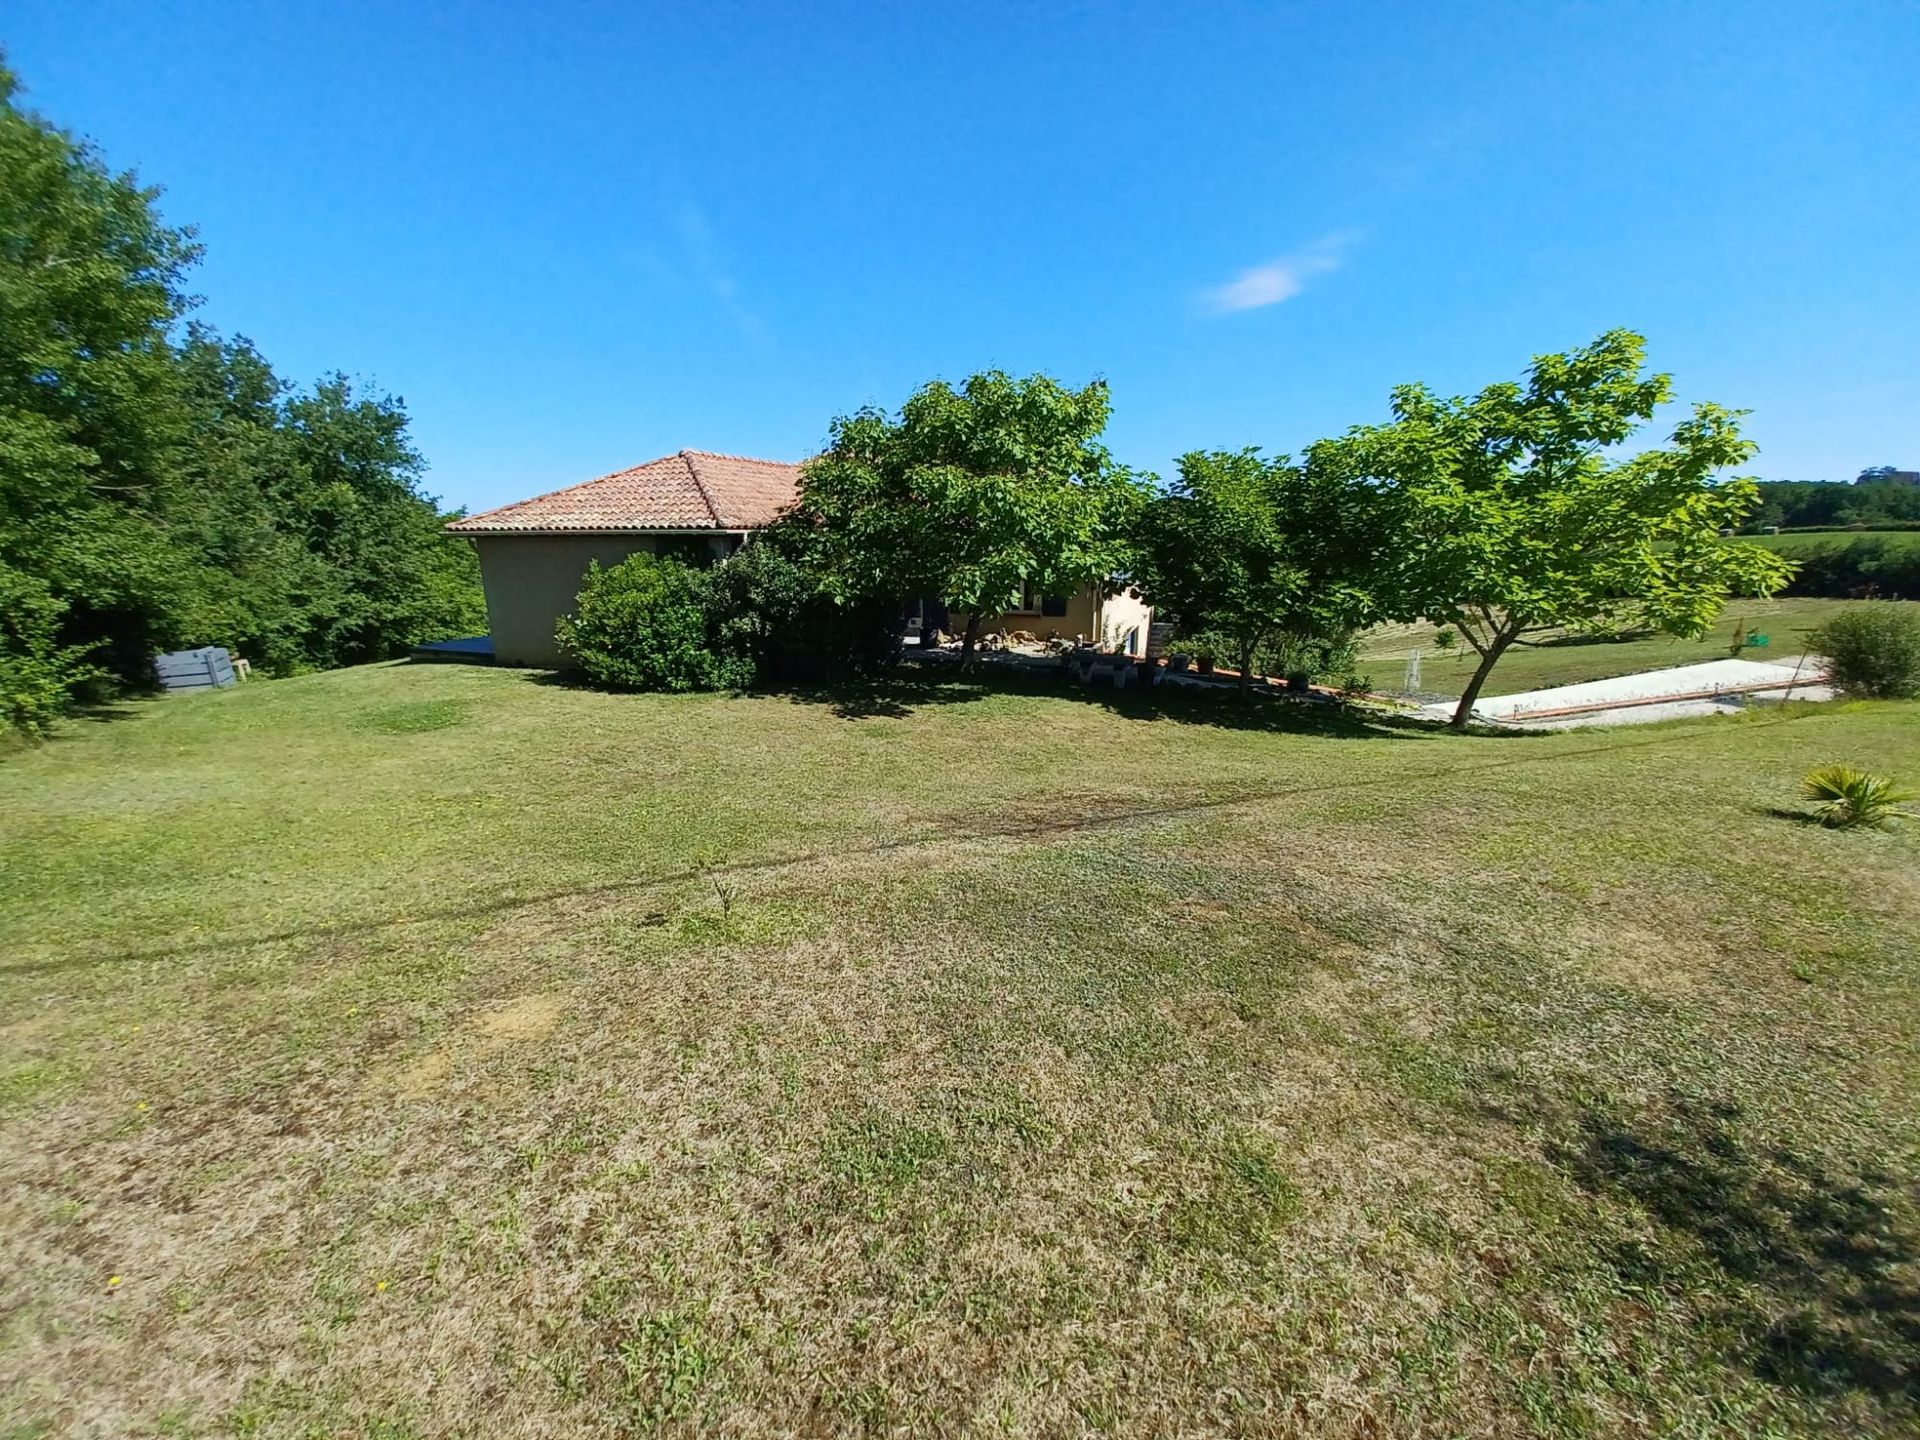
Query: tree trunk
[
  {"x": 1246, "y": 667},
  {"x": 971, "y": 634},
  {"x": 1488, "y": 658}
]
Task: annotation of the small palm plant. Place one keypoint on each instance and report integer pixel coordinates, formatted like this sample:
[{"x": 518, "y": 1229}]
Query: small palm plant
[{"x": 1847, "y": 797}]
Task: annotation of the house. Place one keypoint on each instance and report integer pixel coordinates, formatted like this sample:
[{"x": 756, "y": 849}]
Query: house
[{"x": 534, "y": 553}]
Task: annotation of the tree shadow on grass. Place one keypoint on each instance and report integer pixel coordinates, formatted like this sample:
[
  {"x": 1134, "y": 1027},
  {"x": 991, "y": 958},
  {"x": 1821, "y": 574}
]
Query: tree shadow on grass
[
  {"x": 893, "y": 696},
  {"x": 1821, "y": 1263},
  {"x": 921, "y": 684},
  {"x": 1224, "y": 709},
  {"x": 106, "y": 711},
  {"x": 890, "y": 697},
  {"x": 103, "y": 712},
  {"x": 1575, "y": 639},
  {"x": 915, "y": 685},
  {"x": 556, "y": 679}
]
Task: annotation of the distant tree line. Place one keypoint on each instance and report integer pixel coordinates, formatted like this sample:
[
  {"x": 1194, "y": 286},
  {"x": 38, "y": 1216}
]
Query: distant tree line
[
  {"x": 1821, "y": 504},
  {"x": 160, "y": 485}
]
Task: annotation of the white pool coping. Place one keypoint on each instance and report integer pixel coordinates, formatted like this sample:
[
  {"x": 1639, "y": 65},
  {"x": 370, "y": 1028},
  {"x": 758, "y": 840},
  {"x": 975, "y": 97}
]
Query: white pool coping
[{"x": 1691, "y": 689}]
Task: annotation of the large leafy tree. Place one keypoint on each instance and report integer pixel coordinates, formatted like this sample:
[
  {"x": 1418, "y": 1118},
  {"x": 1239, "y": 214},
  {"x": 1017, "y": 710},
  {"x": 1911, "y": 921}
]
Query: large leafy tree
[
  {"x": 357, "y": 505},
  {"x": 968, "y": 492},
  {"x": 160, "y": 486},
  {"x": 1255, "y": 548},
  {"x": 300, "y": 518},
  {"x": 90, "y": 282},
  {"x": 230, "y": 503},
  {"x": 1509, "y": 512}
]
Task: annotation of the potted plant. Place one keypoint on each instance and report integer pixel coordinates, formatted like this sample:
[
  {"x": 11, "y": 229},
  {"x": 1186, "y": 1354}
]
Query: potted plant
[
  {"x": 1200, "y": 647},
  {"x": 1178, "y": 661}
]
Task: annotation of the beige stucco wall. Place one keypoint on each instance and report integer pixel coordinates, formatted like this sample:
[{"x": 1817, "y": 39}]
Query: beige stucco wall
[
  {"x": 532, "y": 580},
  {"x": 1099, "y": 620},
  {"x": 1080, "y": 619},
  {"x": 1124, "y": 613}
]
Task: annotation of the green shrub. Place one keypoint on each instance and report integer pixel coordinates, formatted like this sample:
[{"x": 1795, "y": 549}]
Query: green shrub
[
  {"x": 1872, "y": 649},
  {"x": 1300, "y": 658},
  {"x": 766, "y": 609},
  {"x": 645, "y": 624},
  {"x": 1848, "y": 797},
  {"x": 659, "y": 622},
  {"x": 1202, "y": 648},
  {"x": 37, "y": 676},
  {"x": 1303, "y": 658}
]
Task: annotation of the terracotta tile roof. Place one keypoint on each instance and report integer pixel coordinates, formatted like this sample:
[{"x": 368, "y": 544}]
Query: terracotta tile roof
[{"x": 688, "y": 491}]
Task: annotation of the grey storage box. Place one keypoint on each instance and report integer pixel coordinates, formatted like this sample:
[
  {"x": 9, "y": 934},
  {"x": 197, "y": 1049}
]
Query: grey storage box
[{"x": 208, "y": 668}]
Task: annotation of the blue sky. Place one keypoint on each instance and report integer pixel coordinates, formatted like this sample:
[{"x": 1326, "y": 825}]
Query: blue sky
[{"x": 577, "y": 236}]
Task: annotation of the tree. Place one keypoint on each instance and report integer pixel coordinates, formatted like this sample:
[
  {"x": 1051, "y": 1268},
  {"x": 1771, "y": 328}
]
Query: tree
[
  {"x": 352, "y": 491},
  {"x": 36, "y": 676},
  {"x": 89, "y": 286},
  {"x": 966, "y": 494},
  {"x": 1253, "y": 548},
  {"x": 162, "y": 487},
  {"x": 1504, "y": 514},
  {"x": 1874, "y": 499},
  {"x": 298, "y": 520},
  {"x": 767, "y": 608},
  {"x": 253, "y": 580}
]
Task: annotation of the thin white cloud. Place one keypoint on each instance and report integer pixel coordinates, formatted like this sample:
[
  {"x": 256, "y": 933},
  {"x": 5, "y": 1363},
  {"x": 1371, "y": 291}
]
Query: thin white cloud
[
  {"x": 1277, "y": 280},
  {"x": 703, "y": 256}
]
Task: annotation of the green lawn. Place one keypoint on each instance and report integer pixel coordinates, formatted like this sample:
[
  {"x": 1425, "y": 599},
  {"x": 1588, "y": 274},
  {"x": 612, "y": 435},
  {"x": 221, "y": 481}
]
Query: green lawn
[
  {"x": 1571, "y": 659},
  {"x": 423, "y": 1051}
]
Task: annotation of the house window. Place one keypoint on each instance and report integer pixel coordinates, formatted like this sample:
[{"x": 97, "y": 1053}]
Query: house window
[{"x": 1031, "y": 602}]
